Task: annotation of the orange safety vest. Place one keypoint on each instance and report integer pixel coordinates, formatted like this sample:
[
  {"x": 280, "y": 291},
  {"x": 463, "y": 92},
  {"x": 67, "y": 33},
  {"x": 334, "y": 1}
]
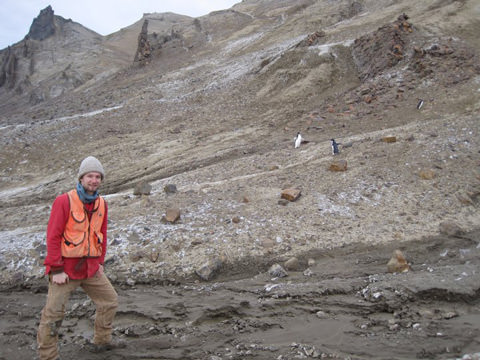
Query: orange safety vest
[{"x": 81, "y": 237}]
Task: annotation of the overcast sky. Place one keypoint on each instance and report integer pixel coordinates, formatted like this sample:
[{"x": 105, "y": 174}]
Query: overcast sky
[{"x": 101, "y": 16}]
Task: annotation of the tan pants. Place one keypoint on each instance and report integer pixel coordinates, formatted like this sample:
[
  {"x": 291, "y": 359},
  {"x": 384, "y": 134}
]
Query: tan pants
[{"x": 102, "y": 293}]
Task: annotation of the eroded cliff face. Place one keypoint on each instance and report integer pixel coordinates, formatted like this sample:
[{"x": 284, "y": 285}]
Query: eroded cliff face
[{"x": 55, "y": 57}]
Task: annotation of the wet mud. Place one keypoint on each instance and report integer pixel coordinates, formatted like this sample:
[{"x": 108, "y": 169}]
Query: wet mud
[{"x": 339, "y": 304}]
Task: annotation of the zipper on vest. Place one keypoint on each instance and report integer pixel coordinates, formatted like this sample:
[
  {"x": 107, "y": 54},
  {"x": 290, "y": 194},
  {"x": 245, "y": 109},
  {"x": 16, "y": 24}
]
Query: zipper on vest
[{"x": 88, "y": 231}]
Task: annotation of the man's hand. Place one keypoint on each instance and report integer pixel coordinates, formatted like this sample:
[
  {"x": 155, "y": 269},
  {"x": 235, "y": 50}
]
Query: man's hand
[{"x": 60, "y": 278}]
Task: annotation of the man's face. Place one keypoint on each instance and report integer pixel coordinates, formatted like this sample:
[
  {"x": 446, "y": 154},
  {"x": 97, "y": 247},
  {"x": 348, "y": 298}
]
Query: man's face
[{"x": 91, "y": 181}]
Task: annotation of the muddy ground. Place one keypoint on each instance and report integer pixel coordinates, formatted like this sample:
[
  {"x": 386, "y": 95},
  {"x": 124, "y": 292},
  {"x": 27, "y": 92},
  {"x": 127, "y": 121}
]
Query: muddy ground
[{"x": 343, "y": 306}]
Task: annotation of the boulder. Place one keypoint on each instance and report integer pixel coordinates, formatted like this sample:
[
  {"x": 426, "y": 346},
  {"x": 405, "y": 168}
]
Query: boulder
[
  {"x": 208, "y": 270},
  {"x": 291, "y": 194},
  {"x": 277, "y": 270},
  {"x": 338, "y": 165},
  {"x": 142, "y": 188},
  {"x": 292, "y": 264},
  {"x": 172, "y": 215},
  {"x": 450, "y": 228},
  {"x": 398, "y": 263},
  {"x": 170, "y": 189}
]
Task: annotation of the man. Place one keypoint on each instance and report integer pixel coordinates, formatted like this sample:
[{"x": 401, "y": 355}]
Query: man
[{"x": 76, "y": 247}]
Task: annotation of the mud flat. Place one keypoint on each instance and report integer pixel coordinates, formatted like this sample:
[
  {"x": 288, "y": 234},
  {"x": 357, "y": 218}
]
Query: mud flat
[{"x": 339, "y": 304}]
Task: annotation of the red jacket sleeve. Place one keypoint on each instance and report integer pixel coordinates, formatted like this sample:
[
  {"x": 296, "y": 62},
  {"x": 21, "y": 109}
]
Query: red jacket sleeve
[{"x": 56, "y": 226}]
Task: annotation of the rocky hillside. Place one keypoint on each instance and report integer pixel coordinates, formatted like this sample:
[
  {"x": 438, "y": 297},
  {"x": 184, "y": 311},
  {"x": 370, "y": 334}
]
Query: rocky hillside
[{"x": 211, "y": 105}]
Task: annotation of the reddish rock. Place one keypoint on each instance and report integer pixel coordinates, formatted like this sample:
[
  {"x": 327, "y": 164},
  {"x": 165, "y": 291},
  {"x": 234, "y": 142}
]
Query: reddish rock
[
  {"x": 291, "y": 194},
  {"x": 172, "y": 215},
  {"x": 389, "y": 139},
  {"x": 398, "y": 263}
]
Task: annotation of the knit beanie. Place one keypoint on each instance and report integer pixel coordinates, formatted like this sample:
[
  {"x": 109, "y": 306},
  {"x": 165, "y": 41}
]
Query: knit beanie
[{"x": 90, "y": 164}]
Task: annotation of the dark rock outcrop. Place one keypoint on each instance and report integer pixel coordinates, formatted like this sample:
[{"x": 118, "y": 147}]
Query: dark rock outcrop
[
  {"x": 43, "y": 25},
  {"x": 143, "y": 53},
  {"x": 8, "y": 69},
  {"x": 383, "y": 48}
]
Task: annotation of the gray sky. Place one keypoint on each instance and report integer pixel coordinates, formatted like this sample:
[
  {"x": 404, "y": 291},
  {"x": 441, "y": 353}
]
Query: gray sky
[{"x": 101, "y": 16}]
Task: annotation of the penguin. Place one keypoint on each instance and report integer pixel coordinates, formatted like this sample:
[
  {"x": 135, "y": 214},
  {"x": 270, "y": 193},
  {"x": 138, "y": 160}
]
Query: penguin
[
  {"x": 420, "y": 104},
  {"x": 335, "y": 150},
  {"x": 298, "y": 140}
]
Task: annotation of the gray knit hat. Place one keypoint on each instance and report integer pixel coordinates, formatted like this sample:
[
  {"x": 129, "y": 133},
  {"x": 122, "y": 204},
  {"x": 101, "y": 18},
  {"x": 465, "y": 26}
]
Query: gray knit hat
[{"x": 90, "y": 164}]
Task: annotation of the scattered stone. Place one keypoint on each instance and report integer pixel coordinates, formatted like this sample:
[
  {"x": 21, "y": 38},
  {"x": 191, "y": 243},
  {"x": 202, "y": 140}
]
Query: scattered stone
[
  {"x": 170, "y": 189},
  {"x": 338, "y": 165},
  {"x": 291, "y": 194},
  {"x": 276, "y": 270},
  {"x": 142, "y": 188},
  {"x": 308, "y": 272},
  {"x": 321, "y": 314},
  {"x": 450, "y": 228},
  {"x": 450, "y": 315},
  {"x": 427, "y": 174},
  {"x": 208, "y": 270},
  {"x": 236, "y": 219},
  {"x": 311, "y": 262},
  {"x": 245, "y": 200},
  {"x": 292, "y": 264},
  {"x": 398, "y": 263},
  {"x": 274, "y": 167},
  {"x": 172, "y": 215},
  {"x": 389, "y": 139}
]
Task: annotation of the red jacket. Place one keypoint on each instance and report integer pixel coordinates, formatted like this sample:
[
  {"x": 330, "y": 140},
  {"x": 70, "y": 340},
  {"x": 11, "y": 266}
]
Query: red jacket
[{"x": 75, "y": 268}]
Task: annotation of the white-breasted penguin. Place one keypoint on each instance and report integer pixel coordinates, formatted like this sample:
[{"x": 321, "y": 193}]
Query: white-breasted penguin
[
  {"x": 298, "y": 140},
  {"x": 335, "y": 150},
  {"x": 420, "y": 104}
]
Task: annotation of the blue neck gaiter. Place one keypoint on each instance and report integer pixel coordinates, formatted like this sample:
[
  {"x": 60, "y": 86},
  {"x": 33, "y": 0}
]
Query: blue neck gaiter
[{"x": 82, "y": 194}]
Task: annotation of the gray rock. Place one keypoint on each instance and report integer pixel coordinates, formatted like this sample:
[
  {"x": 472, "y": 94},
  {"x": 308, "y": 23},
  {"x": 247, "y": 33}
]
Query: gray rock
[
  {"x": 170, "y": 188},
  {"x": 450, "y": 228},
  {"x": 142, "y": 188},
  {"x": 277, "y": 270},
  {"x": 292, "y": 264},
  {"x": 208, "y": 270}
]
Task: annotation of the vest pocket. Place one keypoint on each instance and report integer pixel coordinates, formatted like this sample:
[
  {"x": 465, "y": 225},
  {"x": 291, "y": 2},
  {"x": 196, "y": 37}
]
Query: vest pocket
[{"x": 74, "y": 239}]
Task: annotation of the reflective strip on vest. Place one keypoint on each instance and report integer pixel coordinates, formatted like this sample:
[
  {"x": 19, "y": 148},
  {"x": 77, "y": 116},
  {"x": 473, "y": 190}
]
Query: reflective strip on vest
[{"x": 81, "y": 237}]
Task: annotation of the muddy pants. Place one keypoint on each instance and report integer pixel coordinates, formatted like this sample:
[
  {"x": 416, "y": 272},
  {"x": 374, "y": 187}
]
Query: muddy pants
[{"x": 102, "y": 293}]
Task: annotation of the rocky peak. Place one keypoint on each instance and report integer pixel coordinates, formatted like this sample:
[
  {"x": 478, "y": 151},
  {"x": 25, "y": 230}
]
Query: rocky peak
[{"x": 43, "y": 26}]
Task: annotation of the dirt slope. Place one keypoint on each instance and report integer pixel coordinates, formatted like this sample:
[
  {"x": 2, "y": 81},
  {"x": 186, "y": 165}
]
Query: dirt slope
[{"x": 215, "y": 111}]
